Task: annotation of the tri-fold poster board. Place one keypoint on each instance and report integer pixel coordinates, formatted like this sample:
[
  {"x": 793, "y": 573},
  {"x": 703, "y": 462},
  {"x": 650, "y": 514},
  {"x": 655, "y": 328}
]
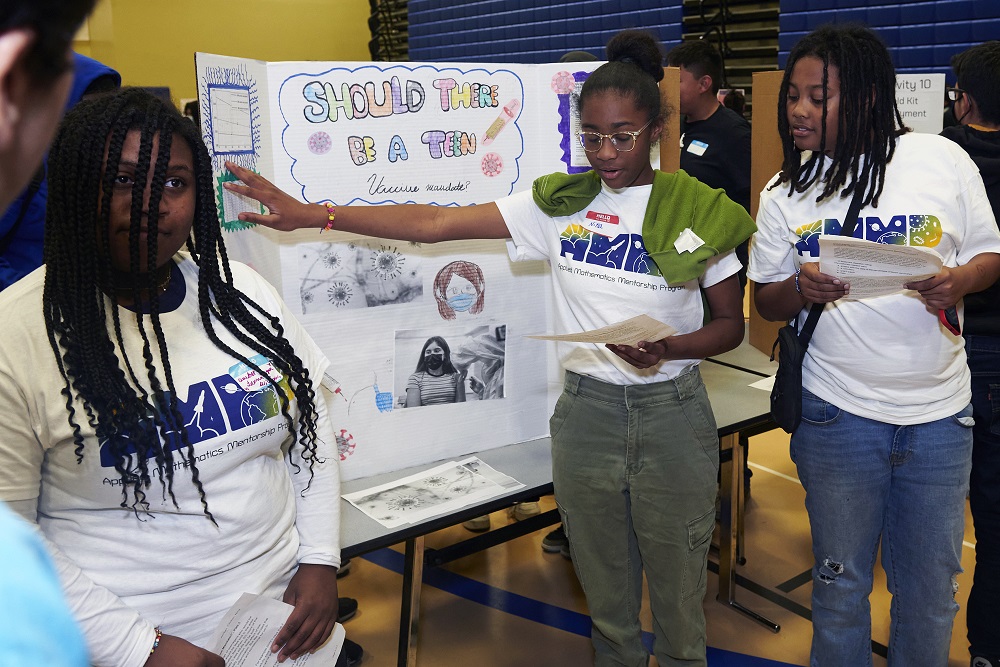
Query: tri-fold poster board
[{"x": 384, "y": 133}]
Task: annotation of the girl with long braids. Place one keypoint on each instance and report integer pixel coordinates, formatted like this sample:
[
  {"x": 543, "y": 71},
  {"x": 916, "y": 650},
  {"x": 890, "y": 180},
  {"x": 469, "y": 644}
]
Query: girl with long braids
[
  {"x": 634, "y": 443},
  {"x": 162, "y": 422},
  {"x": 884, "y": 447}
]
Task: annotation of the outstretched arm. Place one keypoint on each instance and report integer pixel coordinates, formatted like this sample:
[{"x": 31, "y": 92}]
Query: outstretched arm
[{"x": 406, "y": 222}]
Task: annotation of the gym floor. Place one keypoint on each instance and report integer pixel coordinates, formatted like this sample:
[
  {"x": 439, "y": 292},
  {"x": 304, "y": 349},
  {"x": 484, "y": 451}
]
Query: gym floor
[{"x": 514, "y": 604}]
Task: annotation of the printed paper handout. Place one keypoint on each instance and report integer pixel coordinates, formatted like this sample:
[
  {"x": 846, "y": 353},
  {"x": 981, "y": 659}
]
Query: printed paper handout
[
  {"x": 875, "y": 269},
  {"x": 440, "y": 490},
  {"x": 248, "y": 629},
  {"x": 627, "y": 332}
]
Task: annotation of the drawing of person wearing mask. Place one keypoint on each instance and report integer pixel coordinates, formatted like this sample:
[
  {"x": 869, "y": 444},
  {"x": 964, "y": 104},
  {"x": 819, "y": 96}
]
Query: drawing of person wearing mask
[
  {"x": 459, "y": 287},
  {"x": 435, "y": 380}
]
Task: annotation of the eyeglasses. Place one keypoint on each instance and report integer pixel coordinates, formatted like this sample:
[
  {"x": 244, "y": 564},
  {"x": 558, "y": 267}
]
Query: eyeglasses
[
  {"x": 955, "y": 94},
  {"x": 622, "y": 141}
]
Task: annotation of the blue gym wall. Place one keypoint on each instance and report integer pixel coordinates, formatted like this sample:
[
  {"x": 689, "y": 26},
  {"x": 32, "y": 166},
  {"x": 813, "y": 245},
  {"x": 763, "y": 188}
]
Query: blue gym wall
[
  {"x": 922, "y": 36},
  {"x": 530, "y": 31}
]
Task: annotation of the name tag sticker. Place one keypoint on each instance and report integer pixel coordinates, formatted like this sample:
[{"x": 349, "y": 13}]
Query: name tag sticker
[
  {"x": 697, "y": 147},
  {"x": 604, "y": 224},
  {"x": 250, "y": 380},
  {"x": 688, "y": 241}
]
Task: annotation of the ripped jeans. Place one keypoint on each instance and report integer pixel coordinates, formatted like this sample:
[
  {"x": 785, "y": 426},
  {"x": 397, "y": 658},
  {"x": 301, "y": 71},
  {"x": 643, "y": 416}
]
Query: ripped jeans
[{"x": 868, "y": 481}]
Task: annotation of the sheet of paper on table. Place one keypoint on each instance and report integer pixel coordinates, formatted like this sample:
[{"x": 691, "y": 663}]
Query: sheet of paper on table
[
  {"x": 248, "y": 629},
  {"x": 440, "y": 490},
  {"x": 875, "y": 269},
  {"x": 627, "y": 332}
]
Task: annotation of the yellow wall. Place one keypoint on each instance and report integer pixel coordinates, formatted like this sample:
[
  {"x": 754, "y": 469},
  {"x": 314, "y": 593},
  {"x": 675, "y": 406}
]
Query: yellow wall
[{"x": 152, "y": 42}]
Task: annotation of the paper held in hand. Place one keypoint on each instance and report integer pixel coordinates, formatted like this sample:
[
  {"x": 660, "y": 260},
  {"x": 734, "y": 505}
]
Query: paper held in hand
[
  {"x": 628, "y": 332},
  {"x": 248, "y": 629},
  {"x": 875, "y": 269}
]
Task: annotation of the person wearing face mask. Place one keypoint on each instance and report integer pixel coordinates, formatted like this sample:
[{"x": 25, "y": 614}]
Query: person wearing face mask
[
  {"x": 459, "y": 287},
  {"x": 435, "y": 381}
]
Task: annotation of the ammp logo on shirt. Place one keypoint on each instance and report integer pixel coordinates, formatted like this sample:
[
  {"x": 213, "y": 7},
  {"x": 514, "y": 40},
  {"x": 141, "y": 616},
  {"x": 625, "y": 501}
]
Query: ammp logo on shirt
[
  {"x": 230, "y": 402},
  {"x": 625, "y": 252},
  {"x": 912, "y": 230}
]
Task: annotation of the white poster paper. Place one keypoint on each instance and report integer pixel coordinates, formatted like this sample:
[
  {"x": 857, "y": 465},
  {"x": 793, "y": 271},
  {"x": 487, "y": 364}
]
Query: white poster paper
[{"x": 449, "y": 134}]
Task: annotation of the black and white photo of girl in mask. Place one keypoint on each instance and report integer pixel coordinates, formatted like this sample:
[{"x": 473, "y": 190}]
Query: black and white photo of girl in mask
[{"x": 436, "y": 380}]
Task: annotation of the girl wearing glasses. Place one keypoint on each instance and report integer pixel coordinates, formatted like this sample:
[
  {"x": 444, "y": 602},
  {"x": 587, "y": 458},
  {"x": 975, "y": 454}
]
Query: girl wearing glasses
[{"x": 634, "y": 442}]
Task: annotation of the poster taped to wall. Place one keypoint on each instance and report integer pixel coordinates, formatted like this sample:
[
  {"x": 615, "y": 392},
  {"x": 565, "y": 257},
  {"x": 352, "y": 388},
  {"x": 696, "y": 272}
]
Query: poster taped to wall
[{"x": 448, "y": 134}]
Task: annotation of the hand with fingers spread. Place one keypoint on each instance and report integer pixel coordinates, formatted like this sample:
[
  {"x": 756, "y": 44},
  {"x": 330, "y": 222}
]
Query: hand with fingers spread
[
  {"x": 818, "y": 287},
  {"x": 313, "y": 593},
  {"x": 285, "y": 213}
]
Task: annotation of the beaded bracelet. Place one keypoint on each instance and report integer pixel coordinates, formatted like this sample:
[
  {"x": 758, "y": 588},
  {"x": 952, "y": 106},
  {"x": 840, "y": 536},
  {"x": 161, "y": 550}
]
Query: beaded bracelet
[
  {"x": 156, "y": 641},
  {"x": 331, "y": 213},
  {"x": 797, "y": 288}
]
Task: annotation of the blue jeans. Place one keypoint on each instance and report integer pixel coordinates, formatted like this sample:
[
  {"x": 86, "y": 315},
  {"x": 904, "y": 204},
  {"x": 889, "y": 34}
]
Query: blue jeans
[
  {"x": 984, "y": 495},
  {"x": 866, "y": 482},
  {"x": 634, "y": 469}
]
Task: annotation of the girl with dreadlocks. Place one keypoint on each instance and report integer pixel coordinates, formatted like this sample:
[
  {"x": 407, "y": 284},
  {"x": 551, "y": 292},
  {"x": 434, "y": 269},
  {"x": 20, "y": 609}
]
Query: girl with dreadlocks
[
  {"x": 884, "y": 446},
  {"x": 631, "y": 499},
  {"x": 161, "y": 422}
]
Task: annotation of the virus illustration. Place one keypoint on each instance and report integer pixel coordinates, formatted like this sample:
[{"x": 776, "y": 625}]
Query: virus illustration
[
  {"x": 307, "y": 297},
  {"x": 340, "y": 294},
  {"x": 332, "y": 260},
  {"x": 345, "y": 444},
  {"x": 387, "y": 263},
  {"x": 436, "y": 481},
  {"x": 404, "y": 503},
  {"x": 491, "y": 165}
]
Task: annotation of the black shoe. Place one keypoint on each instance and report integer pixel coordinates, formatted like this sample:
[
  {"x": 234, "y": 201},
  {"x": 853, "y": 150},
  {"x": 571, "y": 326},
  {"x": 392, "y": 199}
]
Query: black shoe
[
  {"x": 555, "y": 541},
  {"x": 348, "y": 608},
  {"x": 353, "y": 652},
  {"x": 344, "y": 568}
]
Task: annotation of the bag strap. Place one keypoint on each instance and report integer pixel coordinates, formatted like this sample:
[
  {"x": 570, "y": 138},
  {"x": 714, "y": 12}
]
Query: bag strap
[{"x": 850, "y": 222}]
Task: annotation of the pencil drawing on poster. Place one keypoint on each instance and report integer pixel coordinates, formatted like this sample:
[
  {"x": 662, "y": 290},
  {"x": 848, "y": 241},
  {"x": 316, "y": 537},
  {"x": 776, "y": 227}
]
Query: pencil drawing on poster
[
  {"x": 357, "y": 274},
  {"x": 419, "y": 495}
]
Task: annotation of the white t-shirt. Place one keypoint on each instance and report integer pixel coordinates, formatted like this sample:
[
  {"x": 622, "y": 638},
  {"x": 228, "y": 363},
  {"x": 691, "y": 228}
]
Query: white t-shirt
[
  {"x": 887, "y": 358},
  {"x": 601, "y": 275},
  {"x": 125, "y": 572}
]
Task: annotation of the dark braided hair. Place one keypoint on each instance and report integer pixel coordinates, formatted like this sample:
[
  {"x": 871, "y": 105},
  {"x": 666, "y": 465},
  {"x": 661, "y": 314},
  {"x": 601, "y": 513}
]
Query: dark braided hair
[
  {"x": 634, "y": 67},
  {"x": 141, "y": 427},
  {"x": 869, "y": 121}
]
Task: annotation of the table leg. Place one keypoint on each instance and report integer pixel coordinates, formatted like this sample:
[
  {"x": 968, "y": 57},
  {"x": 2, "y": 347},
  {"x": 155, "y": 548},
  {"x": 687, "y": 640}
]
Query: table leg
[
  {"x": 730, "y": 527},
  {"x": 409, "y": 617}
]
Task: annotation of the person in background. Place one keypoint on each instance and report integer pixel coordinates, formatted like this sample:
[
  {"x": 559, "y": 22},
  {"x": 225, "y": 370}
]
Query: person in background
[
  {"x": 884, "y": 448},
  {"x": 22, "y": 227},
  {"x": 715, "y": 140},
  {"x": 36, "y": 625},
  {"x": 976, "y": 106},
  {"x": 163, "y": 400},
  {"x": 623, "y": 518},
  {"x": 735, "y": 100}
]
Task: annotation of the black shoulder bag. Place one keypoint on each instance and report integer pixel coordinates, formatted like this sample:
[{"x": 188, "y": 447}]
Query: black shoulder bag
[{"x": 786, "y": 395}]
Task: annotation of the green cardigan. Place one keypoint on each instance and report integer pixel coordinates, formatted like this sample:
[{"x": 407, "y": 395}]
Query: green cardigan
[{"x": 677, "y": 202}]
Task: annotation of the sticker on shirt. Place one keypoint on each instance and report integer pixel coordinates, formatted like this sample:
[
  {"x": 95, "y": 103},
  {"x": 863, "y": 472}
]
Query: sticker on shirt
[
  {"x": 697, "y": 147},
  {"x": 604, "y": 224},
  {"x": 249, "y": 379}
]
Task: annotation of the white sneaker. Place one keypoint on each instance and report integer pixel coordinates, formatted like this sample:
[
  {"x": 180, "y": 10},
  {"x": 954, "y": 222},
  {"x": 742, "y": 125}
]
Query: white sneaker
[
  {"x": 979, "y": 661},
  {"x": 479, "y": 524},
  {"x": 522, "y": 511}
]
